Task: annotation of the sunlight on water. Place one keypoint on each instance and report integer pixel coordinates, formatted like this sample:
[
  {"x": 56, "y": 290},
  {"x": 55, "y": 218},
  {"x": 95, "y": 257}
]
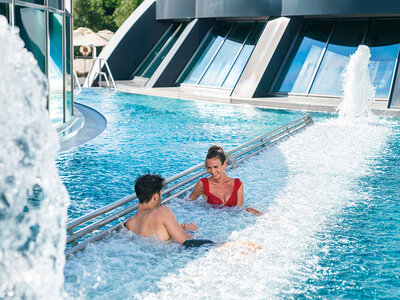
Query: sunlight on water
[{"x": 33, "y": 200}]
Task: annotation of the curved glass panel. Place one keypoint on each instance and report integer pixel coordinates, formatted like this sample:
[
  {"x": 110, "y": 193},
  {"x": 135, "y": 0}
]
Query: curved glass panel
[
  {"x": 160, "y": 44},
  {"x": 206, "y": 53},
  {"x": 56, "y": 77},
  {"x": 222, "y": 62},
  {"x": 301, "y": 64},
  {"x": 383, "y": 41},
  {"x": 344, "y": 42},
  {"x": 32, "y": 30},
  {"x": 5, "y": 11},
  {"x": 163, "y": 52},
  {"x": 243, "y": 57}
]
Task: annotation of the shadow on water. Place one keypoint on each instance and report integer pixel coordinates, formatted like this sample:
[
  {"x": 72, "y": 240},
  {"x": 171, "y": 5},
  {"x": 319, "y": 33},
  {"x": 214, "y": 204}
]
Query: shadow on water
[{"x": 123, "y": 265}]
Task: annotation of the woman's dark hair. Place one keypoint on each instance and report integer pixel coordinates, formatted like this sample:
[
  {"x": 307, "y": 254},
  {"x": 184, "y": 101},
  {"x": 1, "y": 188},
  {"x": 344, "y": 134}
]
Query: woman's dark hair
[
  {"x": 216, "y": 151},
  {"x": 147, "y": 185}
]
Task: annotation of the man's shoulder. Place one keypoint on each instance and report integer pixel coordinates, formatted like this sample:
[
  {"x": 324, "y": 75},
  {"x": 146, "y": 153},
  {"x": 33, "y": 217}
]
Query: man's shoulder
[{"x": 162, "y": 209}]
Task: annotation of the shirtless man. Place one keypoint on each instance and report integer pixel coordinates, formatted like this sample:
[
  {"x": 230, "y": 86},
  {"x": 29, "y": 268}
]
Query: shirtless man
[{"x": 154, "y": 219}]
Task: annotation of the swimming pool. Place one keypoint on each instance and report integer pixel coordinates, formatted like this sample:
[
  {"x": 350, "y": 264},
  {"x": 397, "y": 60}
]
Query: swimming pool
[
  {"x": 155, "y": 134},
  {"x": 331, "y": 227}
]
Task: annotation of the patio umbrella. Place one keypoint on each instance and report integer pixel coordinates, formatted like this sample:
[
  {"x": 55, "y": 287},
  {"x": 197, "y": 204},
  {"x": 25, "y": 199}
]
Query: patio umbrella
[
  {"x": 84, "y": 36},
  {"x": 107, "y": 34}
]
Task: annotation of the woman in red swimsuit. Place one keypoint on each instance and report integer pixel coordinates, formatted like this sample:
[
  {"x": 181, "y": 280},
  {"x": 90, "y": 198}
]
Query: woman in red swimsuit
[{"x": 219, "y": 189}]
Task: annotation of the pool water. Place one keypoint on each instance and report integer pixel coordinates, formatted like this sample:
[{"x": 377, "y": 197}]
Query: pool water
[
  {"x": 331, "y": 223},
  {"x": 153, "y": 134}
]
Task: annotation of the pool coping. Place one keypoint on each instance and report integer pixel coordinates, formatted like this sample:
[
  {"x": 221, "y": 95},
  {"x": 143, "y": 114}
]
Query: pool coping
[
  {"x": 307, "y": 103},
  {"x": 91, "y": 123}
]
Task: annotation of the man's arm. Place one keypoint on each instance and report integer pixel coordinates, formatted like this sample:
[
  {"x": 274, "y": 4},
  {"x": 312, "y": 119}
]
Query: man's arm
[
  {"x": 171, "y": 224},
  {"x": 197, "y": 191}
]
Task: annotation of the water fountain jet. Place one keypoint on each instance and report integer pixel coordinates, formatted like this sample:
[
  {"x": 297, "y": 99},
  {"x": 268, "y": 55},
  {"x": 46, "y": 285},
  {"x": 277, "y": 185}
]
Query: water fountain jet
[{"x": 33, "y": 201}]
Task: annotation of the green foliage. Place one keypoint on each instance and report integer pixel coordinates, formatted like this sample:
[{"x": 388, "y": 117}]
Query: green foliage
[
  {"x": 124, "y": 10},
  {"x": 103, "y": 14},
  {"x": 89, "y": 13}
]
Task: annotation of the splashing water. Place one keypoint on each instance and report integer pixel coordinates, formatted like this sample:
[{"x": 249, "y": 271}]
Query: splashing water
[
  {"x": 358, "y": 89},
  {"x": 33, "y": 200}
]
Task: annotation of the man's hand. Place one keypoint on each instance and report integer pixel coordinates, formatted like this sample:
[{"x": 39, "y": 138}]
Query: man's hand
[{"x": 189, "y": 226}]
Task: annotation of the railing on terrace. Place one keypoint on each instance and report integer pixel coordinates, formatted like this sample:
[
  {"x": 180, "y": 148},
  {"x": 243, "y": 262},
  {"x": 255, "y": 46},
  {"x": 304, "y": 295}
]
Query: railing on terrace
[{"x": 97, "y": 224}]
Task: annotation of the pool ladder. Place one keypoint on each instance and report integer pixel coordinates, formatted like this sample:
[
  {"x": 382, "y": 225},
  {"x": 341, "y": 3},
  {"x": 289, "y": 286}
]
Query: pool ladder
[
  {"x": 101, "y": 63},
  {"x": 86, "y": 229}
]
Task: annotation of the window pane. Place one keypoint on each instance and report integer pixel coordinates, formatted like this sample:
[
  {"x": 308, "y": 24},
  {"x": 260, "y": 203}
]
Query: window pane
[
  {"x": 344, "y": 42},
  {"x": 55, "y": 3},
  {"x": 383, "y": 40},
  {"x": 31, "y": 23},
  {"x": 4, "y": 10},
  {"x": 243, "y": 57},
  {"x": 40, "y": 2},
  {"x": 156, "y": 50},
  {"x": 56, "y": 106},
  {"x": 206, "y": 52},
  {"x": 219, "y": 67},
  {"x": 68, "y": 75},
  {"x": 298, "y": 71},
  {"x": 159, "y": 58}
]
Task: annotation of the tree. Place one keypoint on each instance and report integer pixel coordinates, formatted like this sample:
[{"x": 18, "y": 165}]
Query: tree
[
  {"x": 124, "y": 10},
  {"x": 89, "y": 13}
]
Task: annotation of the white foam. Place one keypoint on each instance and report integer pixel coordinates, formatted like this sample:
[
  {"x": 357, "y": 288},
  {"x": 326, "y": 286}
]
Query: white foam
[
  {"x": 322, "y": 166},
  {"x": 32, "y": 228}
]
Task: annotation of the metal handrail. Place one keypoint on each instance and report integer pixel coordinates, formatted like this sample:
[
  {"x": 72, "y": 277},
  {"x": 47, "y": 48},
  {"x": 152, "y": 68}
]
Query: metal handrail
[
  {"x": 102, "y": 62},
  {"x": 237, "y": 155},
  {"x": 77, "y": 80}
]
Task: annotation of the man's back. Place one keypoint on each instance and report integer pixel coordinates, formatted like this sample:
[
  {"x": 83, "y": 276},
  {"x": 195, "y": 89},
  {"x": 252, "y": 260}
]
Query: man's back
[{"x": 150, "y": 222}]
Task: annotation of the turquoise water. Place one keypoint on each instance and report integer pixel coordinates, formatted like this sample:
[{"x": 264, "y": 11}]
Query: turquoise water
[
  {"x": 331, "y": 227},
  {"x": 152, "y": 134}
]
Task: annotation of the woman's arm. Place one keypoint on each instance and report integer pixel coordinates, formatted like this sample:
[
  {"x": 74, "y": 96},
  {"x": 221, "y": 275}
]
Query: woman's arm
[
  {"x": 240, "y": 195},
  {"x": 240, "y": 201},
  {"x": 197, "y": 191}
]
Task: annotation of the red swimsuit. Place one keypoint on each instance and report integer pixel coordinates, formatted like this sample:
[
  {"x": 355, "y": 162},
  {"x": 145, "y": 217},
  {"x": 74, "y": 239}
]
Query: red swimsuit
[{"x": 212, "y": 199}]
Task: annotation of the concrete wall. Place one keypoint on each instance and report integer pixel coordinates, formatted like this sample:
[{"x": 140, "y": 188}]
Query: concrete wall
[
  {"x": 267, "y": 57},
  {"x": 340, "y": 7},
  {"x": 129, "y": 46},
  {"x": 175, "y": 9},
  {"x": 180, "y": 9}
]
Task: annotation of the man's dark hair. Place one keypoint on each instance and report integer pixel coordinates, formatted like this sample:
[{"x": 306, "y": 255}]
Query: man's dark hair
[{"x": 147, "y": 185}]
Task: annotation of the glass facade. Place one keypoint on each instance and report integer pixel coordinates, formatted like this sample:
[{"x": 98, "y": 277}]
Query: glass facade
[
  {"x": 32, "y": 29},
  {"x": 222, "y": 56},
  {"x": 160, "y": 50},
  {"x": 322, "y": 51},
  {"x": 47, "y": 34}
]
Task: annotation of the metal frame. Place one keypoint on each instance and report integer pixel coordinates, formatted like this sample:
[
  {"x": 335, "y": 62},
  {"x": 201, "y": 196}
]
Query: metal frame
[{"x": 85, "y": 229}]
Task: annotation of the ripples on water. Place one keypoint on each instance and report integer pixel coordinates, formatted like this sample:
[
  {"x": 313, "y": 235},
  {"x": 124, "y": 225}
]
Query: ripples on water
[
  {"x": 330, "y": 229},
  {"x": 153, "y": 134}
]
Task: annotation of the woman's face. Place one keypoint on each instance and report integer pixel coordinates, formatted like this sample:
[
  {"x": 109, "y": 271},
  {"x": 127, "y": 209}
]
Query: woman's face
[{"x": 215, "y": 168}]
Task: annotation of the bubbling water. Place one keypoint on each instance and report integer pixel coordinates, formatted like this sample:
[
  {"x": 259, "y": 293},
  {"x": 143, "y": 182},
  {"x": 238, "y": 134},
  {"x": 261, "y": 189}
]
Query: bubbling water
[
  {"x": 358, "y": 89},
  {"x": 33, "y": 200}
]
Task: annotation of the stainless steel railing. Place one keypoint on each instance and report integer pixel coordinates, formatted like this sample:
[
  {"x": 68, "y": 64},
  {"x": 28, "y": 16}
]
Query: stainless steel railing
[{"x": 86, "y": 229}]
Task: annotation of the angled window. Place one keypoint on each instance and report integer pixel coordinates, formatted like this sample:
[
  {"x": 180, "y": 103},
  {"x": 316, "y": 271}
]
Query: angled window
[
  {"x": 322, "y": 52},
  {"x": 222, "y": 56},
  {"x": 155, "y": 57}
]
